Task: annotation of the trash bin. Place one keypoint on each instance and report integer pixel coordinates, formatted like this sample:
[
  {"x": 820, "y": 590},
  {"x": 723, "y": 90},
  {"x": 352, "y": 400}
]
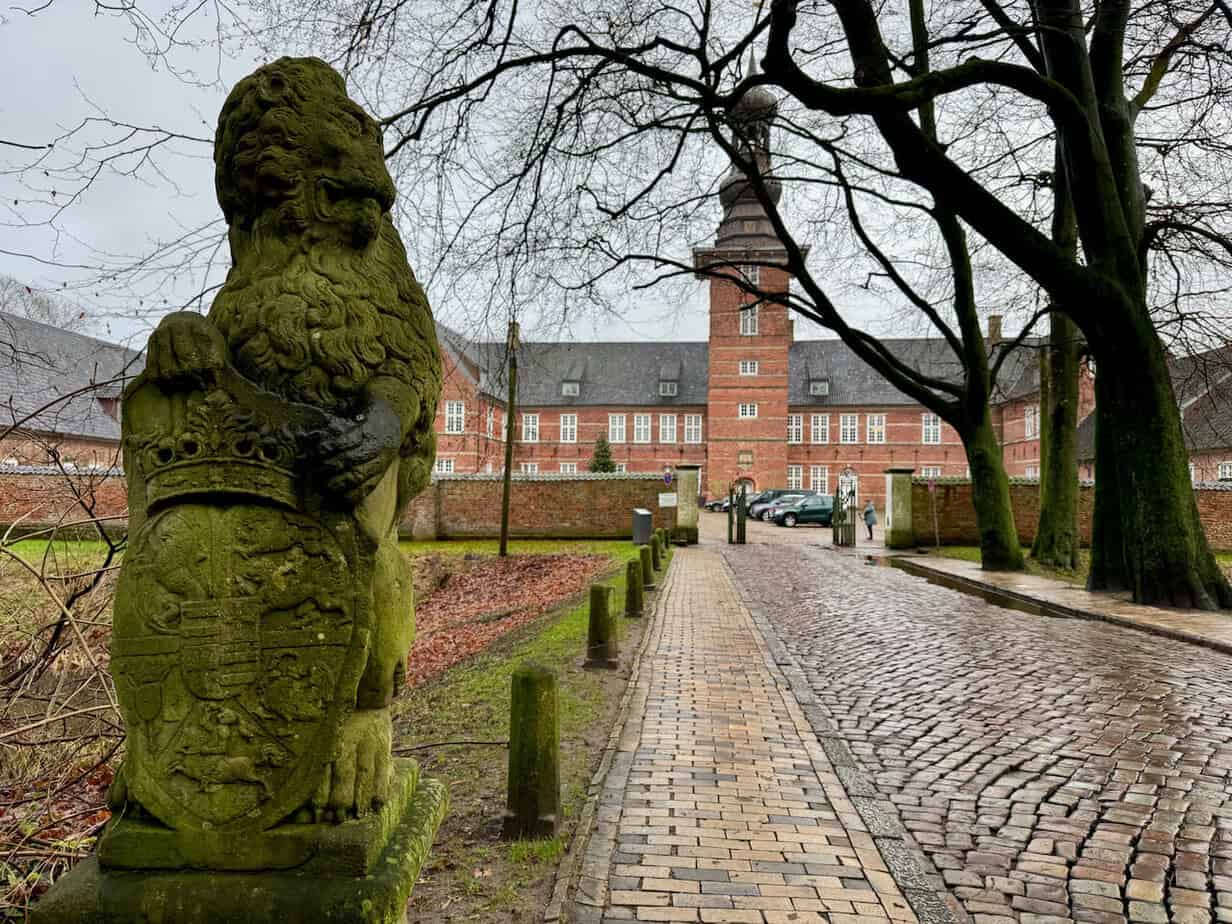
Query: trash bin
[{"x": 643, "y": 525}]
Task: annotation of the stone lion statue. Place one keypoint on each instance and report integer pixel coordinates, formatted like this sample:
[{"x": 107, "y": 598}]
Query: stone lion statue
[{"x": 321, "y": 309}]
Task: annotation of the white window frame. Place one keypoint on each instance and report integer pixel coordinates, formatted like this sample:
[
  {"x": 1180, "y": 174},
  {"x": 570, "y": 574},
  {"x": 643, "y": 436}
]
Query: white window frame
[
  {"x": 748, "y": 411},
  {"x": 930, "y": 429},
  {"x": 530, "y": 468},
  {"x": 443, "y": 467},
  {"x": 568, "y": 468},
  {"x": 667, "y": 428},
  {"x": 641, "y": 428},
  {"x": 530, "y": 428},
  {"x": 819, "y": 478},
  {"x": 455, "y": 417},
  {"x": 570, "y": 389},
  {"x": 819, "y": 428},
  {"x": 622, "y": 468},
  {"x": 749, "y": 367},
  {"x": 1030, "y": 421},
  {"x": 1224, "y": 471},
  {"x": 751, "y": 273},
  {"x": 819, "y": 388},
  {"x": 748, "y": 321},
  {"x": 795, "y": 477},
  {"x": 874, "y": 428},
  {"x": 1193, "y": 473},
  {"x": 795, "y": 428},
  {"x": 740, "y": 456},
  {"x": 849, "y": 428},
  {"x": 930, "y": 471},
  {"x": 568, "y": 428},
  {"x": 490, "y": 422},
  {"x": 692, "y": 428},
  {"x": 615, "y": 428},
  {"x": 669, "y": 389},
  {"x": 1032, "y": 471}
]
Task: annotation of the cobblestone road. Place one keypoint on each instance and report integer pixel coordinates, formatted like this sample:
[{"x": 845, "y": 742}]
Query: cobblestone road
[{"x": 1050, "y": 770}]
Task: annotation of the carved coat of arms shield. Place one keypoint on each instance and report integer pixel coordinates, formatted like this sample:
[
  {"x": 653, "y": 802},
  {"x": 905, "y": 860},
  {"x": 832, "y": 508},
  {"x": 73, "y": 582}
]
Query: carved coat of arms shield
[{"x": 240, "y": 620}]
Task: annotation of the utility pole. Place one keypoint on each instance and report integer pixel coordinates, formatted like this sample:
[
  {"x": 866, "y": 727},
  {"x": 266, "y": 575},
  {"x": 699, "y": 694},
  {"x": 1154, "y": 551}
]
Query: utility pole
[{"x": 511, "y": 351}]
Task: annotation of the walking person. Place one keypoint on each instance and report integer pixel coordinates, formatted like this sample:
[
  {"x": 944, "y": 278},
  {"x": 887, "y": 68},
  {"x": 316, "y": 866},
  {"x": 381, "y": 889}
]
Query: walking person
[{"x": 870, "y": 518}]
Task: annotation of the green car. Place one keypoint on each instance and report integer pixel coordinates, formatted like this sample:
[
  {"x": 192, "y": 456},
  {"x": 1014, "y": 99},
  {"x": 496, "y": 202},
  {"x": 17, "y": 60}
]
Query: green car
[{"x": 817, "y": 508}]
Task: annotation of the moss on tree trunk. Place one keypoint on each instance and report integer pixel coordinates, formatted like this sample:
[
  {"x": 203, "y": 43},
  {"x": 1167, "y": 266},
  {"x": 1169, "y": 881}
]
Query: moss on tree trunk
[
  {"x": 1056, "y": 538},
  {"x": 990, "y": 492},
  {"x": 1144, "y": 501}
]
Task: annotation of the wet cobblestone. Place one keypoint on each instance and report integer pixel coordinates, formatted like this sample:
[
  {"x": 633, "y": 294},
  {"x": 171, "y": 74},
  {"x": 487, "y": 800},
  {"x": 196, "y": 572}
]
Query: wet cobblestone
[{"x": 1050, "y": 769}]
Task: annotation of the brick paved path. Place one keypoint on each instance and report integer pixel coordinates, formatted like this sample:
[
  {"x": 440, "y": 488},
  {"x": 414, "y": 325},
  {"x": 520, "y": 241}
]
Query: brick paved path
[
  {"x": 1051, "y": 770},
  {"x": 720, "y": 804}
]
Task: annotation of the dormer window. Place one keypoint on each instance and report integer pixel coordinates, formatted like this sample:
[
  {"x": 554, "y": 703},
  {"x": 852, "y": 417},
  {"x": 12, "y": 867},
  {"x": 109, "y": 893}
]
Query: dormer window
[
  {"x": 669, "y": 389},
  {"x": 819, "y": 388},
  {"x": 570, "y": 389}
]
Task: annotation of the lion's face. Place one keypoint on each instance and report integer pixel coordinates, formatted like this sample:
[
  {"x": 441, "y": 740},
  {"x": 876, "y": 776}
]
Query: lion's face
[{"x": 293, "y": 148}]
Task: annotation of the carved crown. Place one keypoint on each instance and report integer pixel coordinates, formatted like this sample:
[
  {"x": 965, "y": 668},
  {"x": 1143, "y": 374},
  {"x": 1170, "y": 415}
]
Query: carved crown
[{"x": 218, "y": 446}]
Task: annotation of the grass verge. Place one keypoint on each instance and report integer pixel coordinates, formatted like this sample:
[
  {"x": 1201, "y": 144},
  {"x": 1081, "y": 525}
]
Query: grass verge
[
  {"x": 472, "y": 875},
  {"x": 1076, "y": 576}
]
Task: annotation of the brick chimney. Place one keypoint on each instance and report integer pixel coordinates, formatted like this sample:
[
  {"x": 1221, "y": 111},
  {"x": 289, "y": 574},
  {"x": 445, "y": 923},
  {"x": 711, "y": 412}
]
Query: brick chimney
[{"x": 994, "y": 329}]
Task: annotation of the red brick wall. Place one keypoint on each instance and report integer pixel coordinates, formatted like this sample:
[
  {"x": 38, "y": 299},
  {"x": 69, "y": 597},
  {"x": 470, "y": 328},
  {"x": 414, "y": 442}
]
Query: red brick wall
[
  {"x": 590, "y": 506},
  {"x": 955, "y": 513},
  {"x": 47, "y": 497},
  {"x": 36, "y": 449}
]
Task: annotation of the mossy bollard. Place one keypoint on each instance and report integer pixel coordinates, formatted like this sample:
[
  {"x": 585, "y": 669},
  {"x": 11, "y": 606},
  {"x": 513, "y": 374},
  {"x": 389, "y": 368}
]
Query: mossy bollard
[
  {"x": 633, "y": 588},
  {"x": 647, "y": 567},
  {"x": 656, "y": 553},
  {"x": 602, "y": 646},
  {"x": 532, "y": 809}
]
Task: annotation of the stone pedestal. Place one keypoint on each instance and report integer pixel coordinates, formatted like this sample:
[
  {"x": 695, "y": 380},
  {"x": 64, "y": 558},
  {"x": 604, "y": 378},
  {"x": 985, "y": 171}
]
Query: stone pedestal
[
  {"x": 359, "y": 871},
  {"x": 899, "y": 531},
  {"x": 687, "y": 487}
]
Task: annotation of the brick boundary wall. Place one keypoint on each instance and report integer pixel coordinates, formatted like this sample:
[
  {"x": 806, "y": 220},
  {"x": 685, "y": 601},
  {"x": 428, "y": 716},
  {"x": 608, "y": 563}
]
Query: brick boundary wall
[
  {"x": 955, "y": 513},
  {"x": 541, "y": 506},
  {"x": 553, "y": 506}
]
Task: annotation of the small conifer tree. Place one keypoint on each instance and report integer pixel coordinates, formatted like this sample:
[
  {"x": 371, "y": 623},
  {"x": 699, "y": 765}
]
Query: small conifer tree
[{"x": 602, "y": 461}]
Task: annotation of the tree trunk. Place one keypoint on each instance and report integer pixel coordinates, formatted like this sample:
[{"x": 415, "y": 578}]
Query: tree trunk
[
  {"x": 990, "y": 492},
  {"x": 1167, "y": 560},
  {"x": 1056, "y": 538},
  {"x": 1107, "y": 547}
]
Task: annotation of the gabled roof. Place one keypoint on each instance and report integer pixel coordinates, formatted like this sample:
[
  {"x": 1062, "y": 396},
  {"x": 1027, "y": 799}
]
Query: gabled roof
[
  {"x": 852, "y": 381},
  {"x": 1202, "y": 383},
  {"x": 52, "y": 379}
]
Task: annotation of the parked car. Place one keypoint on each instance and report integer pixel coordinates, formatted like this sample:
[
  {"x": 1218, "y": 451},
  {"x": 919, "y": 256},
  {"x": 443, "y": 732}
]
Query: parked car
[
  {"x": 816, "y": 509},
  {"x": 719, "y": 504},
  {"x": 757, "y": 507},
  {"x": 766, "y": 514}
]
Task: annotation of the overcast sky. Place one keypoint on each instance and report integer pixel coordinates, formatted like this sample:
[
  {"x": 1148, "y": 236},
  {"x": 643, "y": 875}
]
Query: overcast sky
[{"x": 66, "y": 64}]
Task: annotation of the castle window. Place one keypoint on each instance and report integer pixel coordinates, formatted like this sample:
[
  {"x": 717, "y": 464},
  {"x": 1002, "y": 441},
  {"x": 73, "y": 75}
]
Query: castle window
[
  {"x": 849, "y": 428},
  {"x": 530, "y": 428},
  {"x": 667, "y": 428},
  {"x": 930, "y": 471},
  {"x": 795, "y": 428},
  {"x": 570, "y": 389},
  {"x": 748, "y": 367},
  {"x": 530, "y": 468},
  {"x": 819, "y": 478},
  {"x": 819, "y": 428},
  {"x": 874, "y": 427},
  {"x": 615, "y": 428},
  {"x": 444, "y": 466},
  {"x": 455, "y": 416},
  {"x": 819, "y": 388},
  {"x": 568, "y": 468},
  {"x": 692, "y": 428},
  {"x": 668, "y": 389},
  {"x": 744, "y": 458},
  {"x": 931, "y": 426},
  {"x": 568, "y": 428},
  {"x": 748, "y": 321},
  {"x": 1225, "y": 471},
  {"x": 748, "y": 411},
  {"x": 751, "y": 271},
  {"x": 1030, "y": 422},
  {"x": 641, "y": 428},
  {"x": 795, "y": 477}
]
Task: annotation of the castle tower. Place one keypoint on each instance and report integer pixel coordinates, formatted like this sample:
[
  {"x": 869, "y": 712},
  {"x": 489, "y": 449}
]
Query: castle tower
[{"x": 749, "y": 339}]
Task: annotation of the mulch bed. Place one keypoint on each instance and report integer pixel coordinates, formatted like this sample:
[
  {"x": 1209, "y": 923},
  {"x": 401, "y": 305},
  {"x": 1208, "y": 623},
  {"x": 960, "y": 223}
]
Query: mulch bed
[{"x": 472, "y": 607}]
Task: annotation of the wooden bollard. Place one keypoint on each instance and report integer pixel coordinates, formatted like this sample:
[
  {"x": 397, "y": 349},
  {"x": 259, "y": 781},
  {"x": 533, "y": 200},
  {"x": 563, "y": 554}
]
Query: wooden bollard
[
  {"x": 532, "y": 809},
  {"x": 656, "y": 553},
  {"x": 602, "y": 643},
  {"x": 633, "y": 589},
  {"x": 647, "y": 567}
]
